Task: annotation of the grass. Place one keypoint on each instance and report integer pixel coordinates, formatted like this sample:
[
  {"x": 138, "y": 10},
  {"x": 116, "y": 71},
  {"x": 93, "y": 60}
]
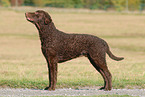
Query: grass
[
  {"x": 97, "y": 96},
  {"x": 22, "y": 64}
]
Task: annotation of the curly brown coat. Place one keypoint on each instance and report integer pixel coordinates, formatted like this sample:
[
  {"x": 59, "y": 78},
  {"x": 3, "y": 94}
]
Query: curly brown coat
[{"x": 58, "y": 47}]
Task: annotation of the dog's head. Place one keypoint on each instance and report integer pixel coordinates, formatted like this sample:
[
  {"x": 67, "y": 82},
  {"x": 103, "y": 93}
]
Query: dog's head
[{"x": 39, "y": 16}]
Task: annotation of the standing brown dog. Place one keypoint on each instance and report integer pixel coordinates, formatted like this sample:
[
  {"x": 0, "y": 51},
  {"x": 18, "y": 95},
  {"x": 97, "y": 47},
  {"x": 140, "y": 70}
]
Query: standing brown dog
[{"x": 58, "y": 47}]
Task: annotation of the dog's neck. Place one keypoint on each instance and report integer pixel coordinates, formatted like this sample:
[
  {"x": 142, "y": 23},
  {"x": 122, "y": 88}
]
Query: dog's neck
[
  {"x": 44, "y": 28},
  {"x": 46, "y": 31}
]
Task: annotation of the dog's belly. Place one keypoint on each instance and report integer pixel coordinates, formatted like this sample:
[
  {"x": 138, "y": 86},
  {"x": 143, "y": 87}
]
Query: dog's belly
[{"x": 70, "y": 55}]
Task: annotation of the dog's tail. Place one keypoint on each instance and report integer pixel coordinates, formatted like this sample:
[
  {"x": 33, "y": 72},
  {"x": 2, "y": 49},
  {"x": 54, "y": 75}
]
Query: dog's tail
[{"x": 113, "y": 56}]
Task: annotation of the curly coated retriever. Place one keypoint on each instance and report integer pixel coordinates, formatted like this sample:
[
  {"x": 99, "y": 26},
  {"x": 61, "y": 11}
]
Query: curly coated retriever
[{"x": 58, "y": 47}]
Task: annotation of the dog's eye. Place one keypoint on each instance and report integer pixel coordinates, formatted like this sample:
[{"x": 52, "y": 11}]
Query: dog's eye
[{"x": 37, "y": 15}]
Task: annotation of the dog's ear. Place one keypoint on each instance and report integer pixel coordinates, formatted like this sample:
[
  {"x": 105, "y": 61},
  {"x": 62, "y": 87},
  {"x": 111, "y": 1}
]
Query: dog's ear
[{"x": 47, "y": 20}]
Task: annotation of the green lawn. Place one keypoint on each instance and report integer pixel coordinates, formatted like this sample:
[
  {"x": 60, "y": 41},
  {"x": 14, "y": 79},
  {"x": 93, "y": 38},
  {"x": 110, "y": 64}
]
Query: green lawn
[{"x": 22, "y": 64}]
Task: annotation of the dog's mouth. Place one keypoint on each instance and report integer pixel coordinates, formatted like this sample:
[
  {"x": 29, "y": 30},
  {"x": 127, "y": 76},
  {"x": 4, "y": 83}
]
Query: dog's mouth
[{"x": 28, "y": 18}]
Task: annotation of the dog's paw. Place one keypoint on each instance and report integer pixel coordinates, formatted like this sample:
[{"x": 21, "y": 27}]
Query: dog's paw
[
  {"x": 102, "y": 88},
  {"x": 49, "y": 88},
  {"x": 105, "y": 89}
]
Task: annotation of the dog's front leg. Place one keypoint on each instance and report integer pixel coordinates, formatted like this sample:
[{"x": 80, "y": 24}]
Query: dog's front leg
[
  {"x": 51, "y": 59},
  {"x": 52, "y": 71}
]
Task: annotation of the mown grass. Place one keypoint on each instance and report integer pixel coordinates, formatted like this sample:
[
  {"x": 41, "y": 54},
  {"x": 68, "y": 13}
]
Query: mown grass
[
  {"x": 96, "y": 96},
  {"x": 22, "y": 64}
]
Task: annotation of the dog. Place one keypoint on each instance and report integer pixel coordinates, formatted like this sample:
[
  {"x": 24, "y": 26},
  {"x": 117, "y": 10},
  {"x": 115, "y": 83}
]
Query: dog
[{"x": 58, "y": 47}]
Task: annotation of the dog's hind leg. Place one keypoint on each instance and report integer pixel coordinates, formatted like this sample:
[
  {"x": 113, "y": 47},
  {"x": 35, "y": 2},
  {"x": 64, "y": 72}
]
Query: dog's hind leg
[{"x": 100, "y": 65}]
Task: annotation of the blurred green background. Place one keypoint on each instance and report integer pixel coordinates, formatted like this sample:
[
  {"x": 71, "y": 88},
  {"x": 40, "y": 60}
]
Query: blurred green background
[{"x": 118, "y": 5}]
